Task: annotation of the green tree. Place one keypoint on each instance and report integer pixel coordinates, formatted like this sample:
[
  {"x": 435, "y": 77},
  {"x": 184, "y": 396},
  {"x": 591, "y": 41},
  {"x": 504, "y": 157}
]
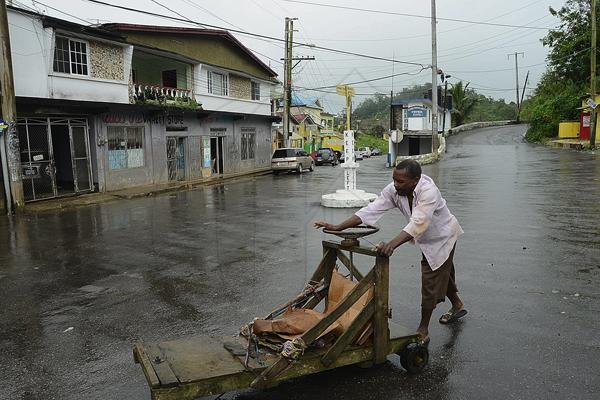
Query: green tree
[
  {"x": 565, "y": 82},
  {"x": 569, "y": 43},
  {"x": 463, "y": 102}
]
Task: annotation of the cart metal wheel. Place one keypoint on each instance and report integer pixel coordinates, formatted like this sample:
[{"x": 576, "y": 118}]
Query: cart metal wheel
[{"x": 414, "y": 358}]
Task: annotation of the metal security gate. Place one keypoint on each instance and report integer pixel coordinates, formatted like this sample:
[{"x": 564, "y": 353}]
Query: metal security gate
[
  {"x": 176, "y": 167},
  {"x": 55, "y": 157}
]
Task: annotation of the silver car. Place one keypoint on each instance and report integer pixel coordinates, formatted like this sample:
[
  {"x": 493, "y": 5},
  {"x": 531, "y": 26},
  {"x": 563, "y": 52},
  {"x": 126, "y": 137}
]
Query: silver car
[{"x": 291, "y": 159}]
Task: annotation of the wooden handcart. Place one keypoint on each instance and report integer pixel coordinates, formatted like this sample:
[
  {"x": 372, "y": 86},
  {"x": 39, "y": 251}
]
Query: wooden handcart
[{"x": 201, "y": 366}]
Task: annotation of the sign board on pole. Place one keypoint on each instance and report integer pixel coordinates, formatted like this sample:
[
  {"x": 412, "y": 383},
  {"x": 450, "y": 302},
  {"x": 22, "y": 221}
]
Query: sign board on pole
[
  {"x": 396, "y": 136},
  {"x": 345, "y": 90},
  {"x": 592, "y": 103}
]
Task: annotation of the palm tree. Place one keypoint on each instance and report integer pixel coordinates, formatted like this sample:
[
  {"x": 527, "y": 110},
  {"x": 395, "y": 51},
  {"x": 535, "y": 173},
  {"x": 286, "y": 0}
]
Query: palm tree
[{"x": 463, "y": 102}]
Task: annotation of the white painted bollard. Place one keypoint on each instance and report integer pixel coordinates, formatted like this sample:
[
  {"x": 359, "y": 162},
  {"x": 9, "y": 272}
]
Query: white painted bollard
[{"x": 350, "y": 196}]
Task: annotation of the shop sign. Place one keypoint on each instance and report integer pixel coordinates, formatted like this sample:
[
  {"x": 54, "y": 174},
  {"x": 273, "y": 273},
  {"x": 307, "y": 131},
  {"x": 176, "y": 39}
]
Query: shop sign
[
  {"x": 31, "y": 171},
  {"x": 586, "y": 121},
  {"x": 218, "y": 131},
  {"x": 137, "y": 118},
  {"x": 416, "y": 112}
]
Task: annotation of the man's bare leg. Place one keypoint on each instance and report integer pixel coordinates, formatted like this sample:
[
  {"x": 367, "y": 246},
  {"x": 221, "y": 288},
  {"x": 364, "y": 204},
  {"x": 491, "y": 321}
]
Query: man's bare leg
[
  {"x": 457, "y": 303},
  {"x": 423, "y": 329}
]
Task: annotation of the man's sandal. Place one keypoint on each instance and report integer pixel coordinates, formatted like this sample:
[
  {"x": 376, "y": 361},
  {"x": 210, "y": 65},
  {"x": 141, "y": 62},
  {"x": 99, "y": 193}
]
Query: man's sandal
[{"x": 452, "y": 316}]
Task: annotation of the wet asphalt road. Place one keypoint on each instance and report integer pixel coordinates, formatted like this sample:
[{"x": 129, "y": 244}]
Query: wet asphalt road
[{"x": 78, "y": 288}]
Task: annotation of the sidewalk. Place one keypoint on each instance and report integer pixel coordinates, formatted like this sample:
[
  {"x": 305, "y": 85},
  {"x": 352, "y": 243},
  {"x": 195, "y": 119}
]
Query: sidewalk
[
  {"x": 575, "y": 144},
  {"x": 134, "y": 192}
]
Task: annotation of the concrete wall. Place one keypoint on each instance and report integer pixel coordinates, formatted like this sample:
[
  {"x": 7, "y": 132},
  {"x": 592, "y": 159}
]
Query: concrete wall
[
  {"x": 32, "y": 48},
  {"x": 476, "y": 125}
]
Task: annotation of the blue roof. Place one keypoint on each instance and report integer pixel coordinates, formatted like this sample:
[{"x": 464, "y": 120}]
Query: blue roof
[{"x": 298, "y": 101}]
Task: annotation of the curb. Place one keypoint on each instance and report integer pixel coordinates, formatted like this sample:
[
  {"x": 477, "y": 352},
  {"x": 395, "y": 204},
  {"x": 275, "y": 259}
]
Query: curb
[{"x": 89, "y": 199}]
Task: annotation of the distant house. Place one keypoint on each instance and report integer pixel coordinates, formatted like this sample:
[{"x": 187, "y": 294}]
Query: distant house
[
  {"x": 294, "y": 140},
  {"x": 329, "y": 137},
  {"x": 412, "y": 118},
  {"x": 308, "y": 110},
  {"x": 119, "y": 105},
  {"x": 314, "y": 124},
  {"x": 308, "y": 132}
]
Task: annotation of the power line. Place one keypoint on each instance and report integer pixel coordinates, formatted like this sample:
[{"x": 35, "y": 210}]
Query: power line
[
  {"x": 253, "y": 34},
  {"x": 525, "y": 66},
  {"x": 413, "y": 15},
  {"x": 427, "y": 34},
  {"x": 374, "y": 79}
]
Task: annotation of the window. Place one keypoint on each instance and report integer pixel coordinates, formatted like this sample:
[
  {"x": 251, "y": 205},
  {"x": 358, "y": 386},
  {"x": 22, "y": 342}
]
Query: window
[
  {"x": 169, "y": 78},
  {"x": 70, "y": 56},
  {"x": 255, "y": 91},
  {"x": 248, "y": 143},
  {"x": 125, "y": 147},
  {"x": 217, "y": 83}
]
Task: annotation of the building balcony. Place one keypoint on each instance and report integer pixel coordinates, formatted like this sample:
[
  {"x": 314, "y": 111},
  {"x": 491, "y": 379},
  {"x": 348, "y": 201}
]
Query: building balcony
[{"x": 142, "y": 93}]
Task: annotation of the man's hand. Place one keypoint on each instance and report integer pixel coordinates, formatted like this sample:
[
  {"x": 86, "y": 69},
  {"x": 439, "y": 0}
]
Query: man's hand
[
  {"x": 385, "y": 249},
  {"x": 325, "y": 225}
]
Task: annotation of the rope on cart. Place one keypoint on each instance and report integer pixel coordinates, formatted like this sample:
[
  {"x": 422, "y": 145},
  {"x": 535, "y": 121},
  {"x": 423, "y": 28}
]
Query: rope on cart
[{"x": 293, "y": 349}]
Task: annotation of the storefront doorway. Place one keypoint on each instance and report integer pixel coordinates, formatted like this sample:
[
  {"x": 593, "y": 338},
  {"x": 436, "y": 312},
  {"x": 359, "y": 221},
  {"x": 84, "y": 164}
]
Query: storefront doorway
[
  {"x": 216, "y": 154},
  {"x": 55, "y": 157}
]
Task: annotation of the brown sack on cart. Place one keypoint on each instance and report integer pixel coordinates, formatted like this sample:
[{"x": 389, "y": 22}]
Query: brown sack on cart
[
  {"x": 339, "y": 288},
  {"x": 294, "y": 322}
]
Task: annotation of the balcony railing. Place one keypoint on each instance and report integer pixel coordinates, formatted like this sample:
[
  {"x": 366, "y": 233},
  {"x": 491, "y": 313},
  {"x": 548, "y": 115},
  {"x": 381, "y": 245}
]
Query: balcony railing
[{"x": 143, "y": 91}]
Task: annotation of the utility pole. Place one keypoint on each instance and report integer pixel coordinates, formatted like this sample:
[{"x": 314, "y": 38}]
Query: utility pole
[
  {"x": 286, "y": 84},
  {"x": 287, "y": 76},
  {"x": 434, "y": 73},
  {"x": 10, "y": 139},
  {"x": 517, "y": 79},
  {"x": 593, "y": 75},
  {"x": 523, "y": 93},
  {"x": 391, "y": 110}
]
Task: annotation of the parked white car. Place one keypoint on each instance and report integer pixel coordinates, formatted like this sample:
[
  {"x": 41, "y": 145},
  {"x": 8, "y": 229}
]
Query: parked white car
[{"x": 366, "y": 151}]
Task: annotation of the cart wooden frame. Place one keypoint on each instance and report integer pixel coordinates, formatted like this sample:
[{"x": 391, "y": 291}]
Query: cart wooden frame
[{"x": 202, "y": 366}]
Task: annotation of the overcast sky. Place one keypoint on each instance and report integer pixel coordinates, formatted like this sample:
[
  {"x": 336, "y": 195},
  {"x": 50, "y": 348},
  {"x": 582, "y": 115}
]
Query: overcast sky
[{"x": 468, "y": 52}]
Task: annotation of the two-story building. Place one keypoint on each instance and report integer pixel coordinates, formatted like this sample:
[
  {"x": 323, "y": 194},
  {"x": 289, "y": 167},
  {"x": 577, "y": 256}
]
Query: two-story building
[
  {"x": 329, "y": 137},
  {"x": 119, "y": 105},
  {"x": 308, "y": 113},
  {"x": 412, "y": 125}
]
